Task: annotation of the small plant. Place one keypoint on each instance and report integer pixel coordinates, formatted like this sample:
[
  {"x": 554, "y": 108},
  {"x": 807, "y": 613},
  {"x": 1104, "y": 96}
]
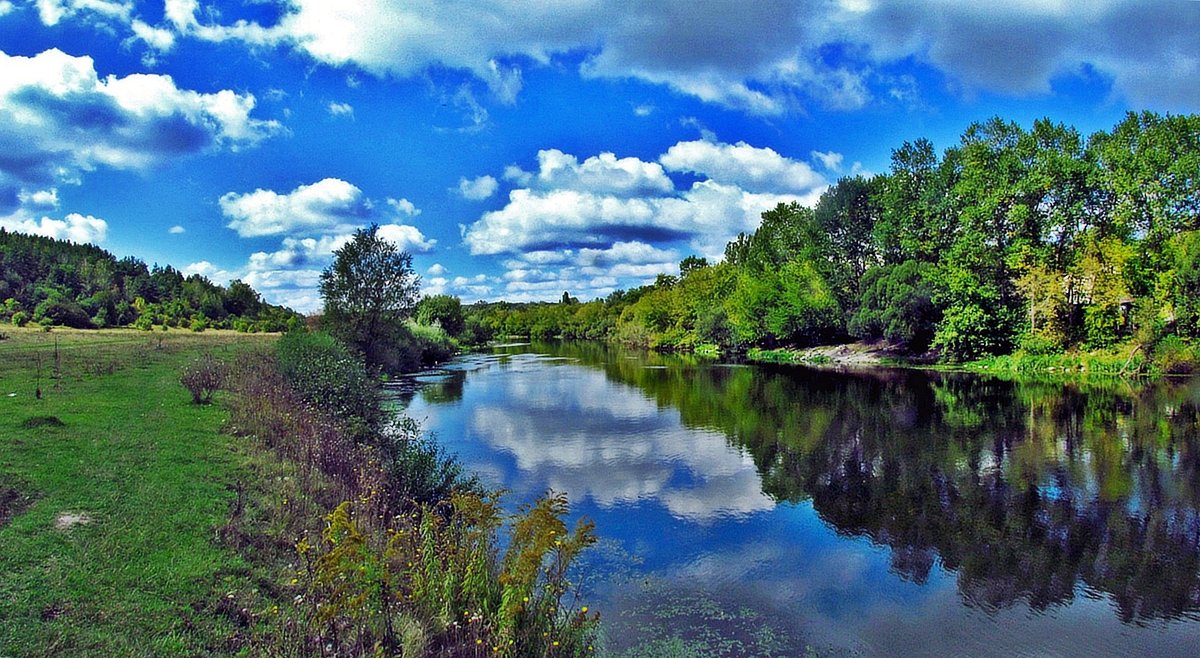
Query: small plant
[
  {"x": 203, "y": 377},
  {"x": 20, "y": 318}
]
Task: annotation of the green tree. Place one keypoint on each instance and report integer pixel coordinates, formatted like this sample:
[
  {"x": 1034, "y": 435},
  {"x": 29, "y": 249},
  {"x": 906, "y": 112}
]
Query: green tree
[
  {"x": 444, "y": 311},
  {"x": 369, "y": 290}
]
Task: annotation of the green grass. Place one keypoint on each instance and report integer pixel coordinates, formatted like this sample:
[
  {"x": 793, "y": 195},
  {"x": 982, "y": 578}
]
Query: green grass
[{"x": 146, "y": 475}]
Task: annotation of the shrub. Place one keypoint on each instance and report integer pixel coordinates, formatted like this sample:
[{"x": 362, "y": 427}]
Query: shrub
[
  {"x": 329, "y": 376},
  {"x": 20, "y": 318},
  {"x": 1038, "y": 345},
  {"x": 203, "y": 377},
  {"x": 1174, "y": 356},
  {"x": 198, "y": 324},
  {"x": 419, "y": 469}
]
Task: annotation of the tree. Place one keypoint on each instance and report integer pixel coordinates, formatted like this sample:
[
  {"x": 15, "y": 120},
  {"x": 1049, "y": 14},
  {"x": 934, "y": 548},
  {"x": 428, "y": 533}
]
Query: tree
[
  {"x": 442, "y": 310},
  {"x": 369, "y": 290}
]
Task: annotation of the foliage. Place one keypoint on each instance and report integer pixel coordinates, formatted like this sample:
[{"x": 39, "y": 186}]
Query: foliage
[
  {"x": 369, "y": 290},
  {"x": 443, "y": 311},
  {"x": 897, "y": 305},
  {"x": 61, "y": 283},
  {"x": 326, "y": 374},
  {"x": 1032, "y": 238},
  {"x": 408, "y": 559},
  {"x": 203, "y": 377}
]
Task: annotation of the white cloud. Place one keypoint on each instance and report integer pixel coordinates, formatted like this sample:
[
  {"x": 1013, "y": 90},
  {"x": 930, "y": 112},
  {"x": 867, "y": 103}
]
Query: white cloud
[
  {"x": 340, "y": 109},
  {"x": 74, "y": 227},
  {"x": 437, "y": 269},
  {"x": 5, "y": 7},
  {"x": 330, "y": 204},
  {"x": 477, "y": 189},
  {"x": 829, "y": 161},
  {"x": 176, "y": 230},
  {"x": 603, "y": 174},
  {"x": 58, "y": 119},
  {"x": 406, "y": 238},
  {"x": 157, "y": 38},
  {"x": 404, "y": 207},
  {"x": 752, "y": 168},
  {"x": 767, "y": 57},
  {"x": 606, "y": 201},
  {"x": 211, "y": 272},
  {"x": 53, "y": 11},
  {"x": 39, "y": 199}
]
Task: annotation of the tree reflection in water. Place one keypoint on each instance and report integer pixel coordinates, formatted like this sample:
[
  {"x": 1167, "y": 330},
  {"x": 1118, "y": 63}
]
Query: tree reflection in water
[{"x": 1024, "y": 489}]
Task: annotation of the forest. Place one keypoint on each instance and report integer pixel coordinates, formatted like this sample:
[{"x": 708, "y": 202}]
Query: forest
[
  {"x": 1031, "y": 240},
  {"x": 56, "y": 282}
]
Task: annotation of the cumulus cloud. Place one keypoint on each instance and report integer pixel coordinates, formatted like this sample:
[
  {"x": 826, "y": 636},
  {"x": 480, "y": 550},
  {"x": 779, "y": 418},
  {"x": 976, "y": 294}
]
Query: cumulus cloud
[
  {"x": 752, "y": 168},
  {"x": 829, "y": 161},
  {"x": 209, "y": 271},
  {"x": 330, "y": 204},
  {"x": 605, "y": 200},
  {"x": 405, "y": 237},
  {"x": 6, "y": 6},
  {"x": 340, "y": 109},
  {"x": 601, "y": 174},
  {"x": 314, "y": 221},
  {"x": 404, "y": 207},
  {"x": 74, "y": 227},
  {"x": 176, "y": 230},
  {"x": 39, "y": 199},
  {"x": 59, "y": 118},
  {"x": 477, "y": 189}
]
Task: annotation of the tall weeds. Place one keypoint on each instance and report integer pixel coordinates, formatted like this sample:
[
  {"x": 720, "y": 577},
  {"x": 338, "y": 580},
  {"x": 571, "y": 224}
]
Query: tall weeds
[{"x": 407, "y": 559}]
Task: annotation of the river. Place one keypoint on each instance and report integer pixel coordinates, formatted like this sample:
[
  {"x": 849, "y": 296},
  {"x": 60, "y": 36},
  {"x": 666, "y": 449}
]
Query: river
[{"x": 763, "y": 511}]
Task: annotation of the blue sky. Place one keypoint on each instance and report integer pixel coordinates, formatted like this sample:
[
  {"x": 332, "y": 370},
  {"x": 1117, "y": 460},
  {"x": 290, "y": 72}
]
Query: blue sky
[{"x": 519, "y": 149}]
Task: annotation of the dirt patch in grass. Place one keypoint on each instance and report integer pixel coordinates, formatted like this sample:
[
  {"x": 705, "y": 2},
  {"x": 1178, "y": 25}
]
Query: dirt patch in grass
[
  {"x": 14, "y": 499},
  {"x": 68, "y": 520},
  {"x": 42, "y": 421}
]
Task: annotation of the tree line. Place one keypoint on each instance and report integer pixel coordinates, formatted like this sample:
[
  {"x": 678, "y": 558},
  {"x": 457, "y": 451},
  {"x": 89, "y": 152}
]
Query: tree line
[
  {"x": 1037, "y": 240},
  {"x": 56, "y": 282}
]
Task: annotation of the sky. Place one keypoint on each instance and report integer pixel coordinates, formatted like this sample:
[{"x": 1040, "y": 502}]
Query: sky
[{"x": 520, "y": 149}]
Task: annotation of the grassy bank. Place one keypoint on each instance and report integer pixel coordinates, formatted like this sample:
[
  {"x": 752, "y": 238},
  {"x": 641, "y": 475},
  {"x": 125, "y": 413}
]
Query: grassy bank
[
  {"x": 290, "y": 518},
  {"x": 113, "y": 485}
]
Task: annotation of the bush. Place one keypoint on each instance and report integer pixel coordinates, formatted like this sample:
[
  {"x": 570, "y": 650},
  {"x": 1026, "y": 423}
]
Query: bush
[
  {"x": 20, "y": 318},
  {"x": 1038, "y": 345},
  {"x": 203, "y": 377},
  {"x": 198, "y": 324},
  {"x": 420, "y": 470},
  {"x": 1175, "y": 356},
  {"x": 329, "y": 376},
  {"x": 59, "y": 310}
]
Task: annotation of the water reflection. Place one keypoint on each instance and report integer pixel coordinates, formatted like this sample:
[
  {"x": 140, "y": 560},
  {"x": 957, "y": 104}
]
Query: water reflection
[
  {"x": 576, "y": 431},
  {"x": 860, "y": 501}
]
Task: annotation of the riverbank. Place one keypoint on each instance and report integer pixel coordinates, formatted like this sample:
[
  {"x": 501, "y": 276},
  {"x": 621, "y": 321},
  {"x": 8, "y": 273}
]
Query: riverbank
[
  {"x": 858, "y": 354},
  {"x": 1169, "y": 357},
  {"x": 292, "y": 517}
]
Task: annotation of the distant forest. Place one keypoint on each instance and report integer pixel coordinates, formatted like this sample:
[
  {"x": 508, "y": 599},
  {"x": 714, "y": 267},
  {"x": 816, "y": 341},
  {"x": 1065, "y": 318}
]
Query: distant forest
[
  {"x": 1036, "y": 240},
  {"x": 55, "y": 282}
]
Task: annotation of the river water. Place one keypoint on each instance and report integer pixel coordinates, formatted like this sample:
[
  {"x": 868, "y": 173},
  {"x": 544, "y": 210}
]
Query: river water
[{"x": 759, "y": 511}]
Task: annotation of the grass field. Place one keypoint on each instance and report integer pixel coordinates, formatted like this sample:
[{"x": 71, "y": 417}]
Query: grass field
[{"x": 112, "y": 486}]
